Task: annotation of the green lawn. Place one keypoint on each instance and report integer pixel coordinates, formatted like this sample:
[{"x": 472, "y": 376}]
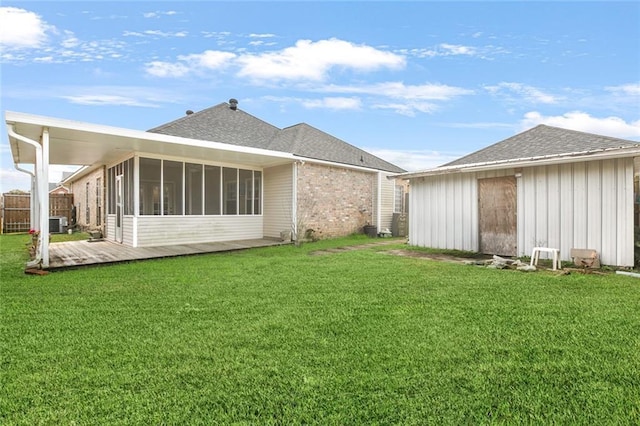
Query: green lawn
[{"x": 279, "y": 336}]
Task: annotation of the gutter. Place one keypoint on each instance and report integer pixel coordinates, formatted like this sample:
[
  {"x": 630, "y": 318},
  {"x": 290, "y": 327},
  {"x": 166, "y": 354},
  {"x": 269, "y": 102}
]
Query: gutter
[
  {"x": 42, "y": 250},
  {"x": 542, "y": 160}
]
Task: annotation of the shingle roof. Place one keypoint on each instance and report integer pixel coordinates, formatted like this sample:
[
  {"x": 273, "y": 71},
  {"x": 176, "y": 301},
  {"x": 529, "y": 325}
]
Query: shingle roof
[
  {"x": 307, "y": 141},
  {"x": 222, "y": 124},
  {"x": 541, "y": 140}
]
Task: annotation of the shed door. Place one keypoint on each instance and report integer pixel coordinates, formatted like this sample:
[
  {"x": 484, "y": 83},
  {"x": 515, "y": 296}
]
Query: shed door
[{"x": 497, "y": 215}]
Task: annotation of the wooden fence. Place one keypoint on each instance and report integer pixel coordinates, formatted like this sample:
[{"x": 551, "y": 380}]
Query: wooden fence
[{"x": 16, "y": 210}]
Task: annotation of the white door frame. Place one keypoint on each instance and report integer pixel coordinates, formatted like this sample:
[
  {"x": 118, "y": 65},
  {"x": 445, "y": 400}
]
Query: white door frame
[{"x": 119, "y": 208}]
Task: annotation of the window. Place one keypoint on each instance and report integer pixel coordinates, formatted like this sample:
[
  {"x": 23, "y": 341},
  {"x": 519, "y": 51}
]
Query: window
[
  {"x": 257, "y": 191},
  {"x": 230, "y": 195},
  {"x": 172, "y": 174},
  {"x": 111, "y": 189},
  {"x": 398, "y": 205},
  {"x": 246, "y": 191},
  {"x": 129, "y": 202},
  {"x": 212, "y": 189},
  {"x": 124, "y": 169},
  {"x": 87, "y": 218},
  {"x": 193, "y": 189},
  {"x": 98, "y": 201},
  {"x": 150, "y": 186},
  {"x": 176, "y": 188}
]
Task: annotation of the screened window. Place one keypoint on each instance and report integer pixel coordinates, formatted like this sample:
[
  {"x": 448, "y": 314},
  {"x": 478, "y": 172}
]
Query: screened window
[
  {"x": 111, "y": 189},
  {"x": 257, "y": 192},
  {"x": 87, "y": 218},
  {"x": 193, "y": 189},
  {"x": 212, "y": 189},
  {"x": 99, "y": 201},
  {"x": 150, "y": 186},
  {"x": 172, "y": 184},
  {"x": 230, "y": 194},
  {"x": 245, "y": 191},
  {"x": 124, "y": 169},
  {"x": 129, "y": 202}
]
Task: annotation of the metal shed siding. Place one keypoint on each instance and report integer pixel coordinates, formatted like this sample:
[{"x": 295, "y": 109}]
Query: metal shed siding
[
  {"x": 579, "y": 205},
  {"x": 576, "y": 205},
  {"x": 443, "y": 212},
  {"x": 278, "y": 200}
]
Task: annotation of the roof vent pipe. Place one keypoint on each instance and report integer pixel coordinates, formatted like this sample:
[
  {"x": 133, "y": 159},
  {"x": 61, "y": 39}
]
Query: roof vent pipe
[
  {"x": 233, "y": 104},
  {"x": 189, "y": 112}
]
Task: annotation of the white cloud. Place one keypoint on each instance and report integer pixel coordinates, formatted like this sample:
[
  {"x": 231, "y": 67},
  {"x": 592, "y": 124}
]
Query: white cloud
[
  {"x": 155, "y": 33},
  {"x": 309, "y": 60},
  {"x": 197, "y": 62},
  {"x": 581, "y": 121},
  {"x": 70, "y": 40},
  {"x": 632, "y": 89},
  {"x": 304, "y": 61},
  {"x": 408, "y": 109},
  {"x": 456, "y": 49},
  {"x": 337, "y": 103},
  {"x": 210, "y": 59},
  {"x": 528, "y": 93},
  {"x": 413, "y": 160},
  {"x": 399, "y": 90},
  {"x": 166, "y": 69},
  {"x": 447, "y": 49},
  {"x": 158, "y": 14},
  {"x": 262, "y": 35},
  {"x": 107, "y": 100},
  {"x": 20, "y": 28}
]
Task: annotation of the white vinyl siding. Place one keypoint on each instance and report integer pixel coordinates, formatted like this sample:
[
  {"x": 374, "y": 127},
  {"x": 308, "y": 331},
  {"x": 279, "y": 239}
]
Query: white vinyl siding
[
  {"x": 168, "y": 230},
  {"x": 387, "y": 194},
  {"x": 278, "y": 200},
  {"x": 578, "y": 205},
  {"x": 110, "y": 231}
]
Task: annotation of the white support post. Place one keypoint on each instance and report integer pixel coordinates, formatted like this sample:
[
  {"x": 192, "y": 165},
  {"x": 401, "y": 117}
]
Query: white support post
[{"x": 44, "y": 200}]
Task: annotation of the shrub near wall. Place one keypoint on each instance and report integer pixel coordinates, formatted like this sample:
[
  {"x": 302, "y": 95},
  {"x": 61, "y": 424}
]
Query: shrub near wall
[{"x": 334, "y": 201}]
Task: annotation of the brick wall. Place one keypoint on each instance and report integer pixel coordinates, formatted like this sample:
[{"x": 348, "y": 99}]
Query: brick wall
[
  {"x": 84, "y": 190},
  {"x": 334, "y": 201}
]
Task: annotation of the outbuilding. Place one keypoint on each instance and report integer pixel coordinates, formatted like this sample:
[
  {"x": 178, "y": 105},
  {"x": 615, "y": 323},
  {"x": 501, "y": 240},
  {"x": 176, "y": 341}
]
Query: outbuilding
[{"x": 545, "y": 187}]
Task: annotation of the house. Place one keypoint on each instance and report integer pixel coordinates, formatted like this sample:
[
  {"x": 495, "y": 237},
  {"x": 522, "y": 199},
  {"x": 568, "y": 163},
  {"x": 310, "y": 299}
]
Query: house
[
  {"x": 545, "y": 187},
  {"x": 220, "y": 174}
]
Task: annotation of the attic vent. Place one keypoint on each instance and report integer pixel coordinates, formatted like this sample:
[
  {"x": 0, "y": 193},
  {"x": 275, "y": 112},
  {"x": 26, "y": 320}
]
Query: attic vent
[
  {"x": 189, "y": 112},
  {"x": 233, "y": 104}
]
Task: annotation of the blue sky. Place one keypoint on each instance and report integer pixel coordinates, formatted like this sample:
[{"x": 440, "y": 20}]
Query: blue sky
[{"x": 416, "y": 83}]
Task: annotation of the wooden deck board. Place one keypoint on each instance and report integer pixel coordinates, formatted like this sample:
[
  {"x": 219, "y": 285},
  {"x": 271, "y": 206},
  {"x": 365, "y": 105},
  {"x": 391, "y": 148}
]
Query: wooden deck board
[{"x": 71, "y": 254}]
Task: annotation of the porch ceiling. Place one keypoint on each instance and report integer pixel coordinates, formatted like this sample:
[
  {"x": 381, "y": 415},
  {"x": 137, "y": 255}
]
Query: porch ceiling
[{"x": 84, "y": 144}]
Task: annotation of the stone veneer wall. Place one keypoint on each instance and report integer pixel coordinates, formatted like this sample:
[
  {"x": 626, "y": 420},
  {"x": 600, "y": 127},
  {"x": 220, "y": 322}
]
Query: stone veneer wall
[{"x": 334, "y": 201}]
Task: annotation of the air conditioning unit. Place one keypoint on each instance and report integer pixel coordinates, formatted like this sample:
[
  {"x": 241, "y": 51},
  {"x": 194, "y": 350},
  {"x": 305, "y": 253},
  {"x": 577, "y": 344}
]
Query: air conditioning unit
[{"x": 57, "y": 224}]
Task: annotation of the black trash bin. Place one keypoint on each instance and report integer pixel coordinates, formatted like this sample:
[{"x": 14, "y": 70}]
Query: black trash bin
[{"x": 371, "y": 230}]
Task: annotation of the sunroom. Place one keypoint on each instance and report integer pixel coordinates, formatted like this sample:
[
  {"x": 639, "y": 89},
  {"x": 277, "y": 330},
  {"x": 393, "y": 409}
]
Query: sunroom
[
  {"x": 159, "y": 201},
  {"x": 158, "y": 189}
]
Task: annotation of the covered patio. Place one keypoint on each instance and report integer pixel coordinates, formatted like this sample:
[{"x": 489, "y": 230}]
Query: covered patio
[
  {"x": 43, "y": 141},
  {"x": 73, "y": 254}
]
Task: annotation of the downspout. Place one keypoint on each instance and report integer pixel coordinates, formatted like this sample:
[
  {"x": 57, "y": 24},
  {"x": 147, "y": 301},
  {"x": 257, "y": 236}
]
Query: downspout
[
  {"x": 41, "y": 224},
  {"x": 379, "y": 204},
  {"x": 294, "y": 202}
]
